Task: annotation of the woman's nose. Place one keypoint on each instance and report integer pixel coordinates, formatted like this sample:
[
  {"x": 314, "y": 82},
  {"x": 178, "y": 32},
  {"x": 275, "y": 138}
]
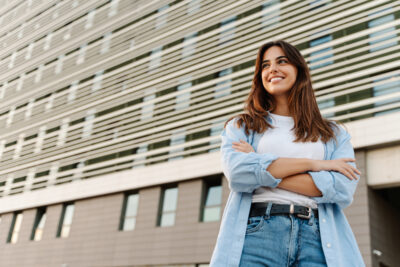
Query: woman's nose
[{"x": 273, "y": 67}]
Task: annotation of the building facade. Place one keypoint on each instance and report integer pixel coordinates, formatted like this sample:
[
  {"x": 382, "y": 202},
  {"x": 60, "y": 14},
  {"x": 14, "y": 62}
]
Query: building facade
[{"x": 111, "y": 110}]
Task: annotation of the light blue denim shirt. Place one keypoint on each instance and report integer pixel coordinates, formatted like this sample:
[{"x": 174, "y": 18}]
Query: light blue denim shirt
[{"x": 248, "y": 171}]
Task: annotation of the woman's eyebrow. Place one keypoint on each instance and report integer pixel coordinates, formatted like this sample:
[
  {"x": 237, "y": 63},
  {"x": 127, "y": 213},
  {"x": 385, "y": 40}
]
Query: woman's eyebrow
[{"x": 275, "y": 58}]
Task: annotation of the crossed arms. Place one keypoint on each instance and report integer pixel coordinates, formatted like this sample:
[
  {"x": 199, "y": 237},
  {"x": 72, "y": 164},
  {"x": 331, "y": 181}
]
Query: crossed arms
[{"x": 248, "y": 171}]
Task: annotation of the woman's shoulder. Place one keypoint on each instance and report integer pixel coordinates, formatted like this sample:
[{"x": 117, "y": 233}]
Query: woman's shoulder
[{"x": 340, "y": 131}]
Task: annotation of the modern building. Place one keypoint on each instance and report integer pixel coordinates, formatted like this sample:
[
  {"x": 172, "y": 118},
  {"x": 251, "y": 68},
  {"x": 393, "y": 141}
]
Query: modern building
[{"x": 111, "y": 110}]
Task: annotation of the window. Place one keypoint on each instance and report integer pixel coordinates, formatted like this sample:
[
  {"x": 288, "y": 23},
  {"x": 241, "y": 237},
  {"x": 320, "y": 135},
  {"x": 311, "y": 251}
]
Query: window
[
  {"x": 193, "y": 6},
  {"x": 105, "y": 46},
  {"x": 326, "y": 53},
  {"x": 211, "y": 200},
  {"x": 29, "y": 51},
  {"x": 228, "y": 34},
  {"x": 72, "y": 91},
  {"x": 177, "y": 138},
  {"x": 386, "y": 86},
  {"x": 183, "y": 99},
  {"x": 162, "y": 19},
  {"x": 90, "y": 18},
  {"x": 15, "y": 228},
  {"x": 169, "y": 199},
  {"x": 270, "y": 17},
  {"x": 148, "y": 108},
  {"x": 38, "y": 225},
  {"x": 97, "y": 80},
  {"x": 129, "y": 212},
  {"x": 88, "y": 124},
  {"x": 388, "y": 33},
  {"x": 81, "y": 55},
  {"x": 39, "y": 73},
  {"x": 113, "y": 8},
  {"x": 216, "y": 129},
  {"x": 189, "y": 45},
  {"x": 155, "y": 58},
  {"x": 47, "y": 41},
  {"x": 64, "y": 226},
  {"x": 223, "y": 88}
]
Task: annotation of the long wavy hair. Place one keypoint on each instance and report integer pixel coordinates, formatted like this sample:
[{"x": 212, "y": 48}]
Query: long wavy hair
[{"x": 309, "y": 125}]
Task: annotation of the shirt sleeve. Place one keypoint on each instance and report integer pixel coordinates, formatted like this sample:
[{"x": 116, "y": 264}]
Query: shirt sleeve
[
  {"x": 335, "y": 186},
  {"x": 244, "y": 171}
]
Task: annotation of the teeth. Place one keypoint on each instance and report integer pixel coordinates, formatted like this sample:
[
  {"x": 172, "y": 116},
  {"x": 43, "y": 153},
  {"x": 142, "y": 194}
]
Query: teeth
[{"x": 276, "y": 79}]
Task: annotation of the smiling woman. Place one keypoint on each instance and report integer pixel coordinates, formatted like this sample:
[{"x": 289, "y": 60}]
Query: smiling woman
[{"x": 288, "y": 168}]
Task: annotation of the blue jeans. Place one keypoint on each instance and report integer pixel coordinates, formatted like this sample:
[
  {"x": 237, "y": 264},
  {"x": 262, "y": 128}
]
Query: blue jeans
[{"x": 282, "y": 240}]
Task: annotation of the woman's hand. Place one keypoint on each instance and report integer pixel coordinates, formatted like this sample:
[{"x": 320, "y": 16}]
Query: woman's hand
[
  {"x": 338, "y": 165},
  {"x": 242, "y": 146}
]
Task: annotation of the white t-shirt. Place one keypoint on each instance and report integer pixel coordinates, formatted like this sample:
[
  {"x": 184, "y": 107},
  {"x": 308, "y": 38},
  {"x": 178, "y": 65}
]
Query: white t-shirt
[{"x": 279, "y": 141}]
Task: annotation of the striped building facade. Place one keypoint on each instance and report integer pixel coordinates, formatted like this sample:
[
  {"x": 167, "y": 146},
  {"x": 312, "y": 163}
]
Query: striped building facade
[{"x": 111, "y": 110}]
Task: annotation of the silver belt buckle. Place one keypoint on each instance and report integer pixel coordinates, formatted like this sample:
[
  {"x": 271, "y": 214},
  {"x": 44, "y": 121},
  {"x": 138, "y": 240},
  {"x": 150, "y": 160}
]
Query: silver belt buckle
[{"x": 308, "y": 216}]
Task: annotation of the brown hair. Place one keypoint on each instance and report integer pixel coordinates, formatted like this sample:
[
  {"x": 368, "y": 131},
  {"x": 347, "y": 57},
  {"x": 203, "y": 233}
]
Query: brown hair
[{"x": 309, "y": 124}]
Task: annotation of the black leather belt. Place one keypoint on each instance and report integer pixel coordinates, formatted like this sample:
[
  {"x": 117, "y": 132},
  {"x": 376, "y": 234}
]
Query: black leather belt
[{"x": 259, "y": 209}]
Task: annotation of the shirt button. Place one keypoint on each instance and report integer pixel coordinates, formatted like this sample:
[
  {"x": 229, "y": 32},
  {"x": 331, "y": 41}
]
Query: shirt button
[
  {"x": 328, "y": 245},
  {"x": 323, "y": 220}
]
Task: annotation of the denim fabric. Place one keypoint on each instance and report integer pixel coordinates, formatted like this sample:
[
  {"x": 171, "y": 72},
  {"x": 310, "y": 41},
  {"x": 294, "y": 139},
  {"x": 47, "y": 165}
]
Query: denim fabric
[
  {"x": 247, "y": 171},
  {"x": 282, "y": 241}
]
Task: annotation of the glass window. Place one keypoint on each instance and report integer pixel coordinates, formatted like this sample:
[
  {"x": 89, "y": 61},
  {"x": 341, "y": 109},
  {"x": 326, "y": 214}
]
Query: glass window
[
  {"x": 216, "y": 129},
  {"x": 324, "y": 104},
  {"x": 141, "y": 150},
  {"x": 169, "y": 200},
  {"x": 113, "y": 8},
  {"x": 193, "y": 6},
  {"x": 386, "y": 86},
  {"x": 388, "y": 33},
  {"x": 64, "y": 226},
  {"x": 15, "y": 228},
  {"x": 228, "y": 34},
  {"x": 12, "y": 60},
  {"x": 20, "y": 82},
  {"x": 97, "y": 80},
  {"x": 81, "y": 55},
  {"x": 212, "y": 200},
  {"x": 29, "y": 51},
  {"x": 131, "y": 203},
  {"x": 183, "y": 99},
  {"x": 223, "y": 88},
  {"x": 88, "y": 124},
  {"x": 148, "y": 108},
  {"x": 38, "y": 225},
  {"x": 59, "y": 64},
  {"x": 177, "y": 138},
  {"x": 47, "y": 41},
  {"x": 105, "y": 47},
  {"x": 189, "y": 45},
  {"x": 39, "y": 73},
  {"x": 321, "y": 54},
  {"x": 72, "y": 91},
  {"x": 90, "y": 18},
  {"x": 155, "y": 58},
  {"x": 270, "y": 17},
  {"x": 161, "y": 20}
]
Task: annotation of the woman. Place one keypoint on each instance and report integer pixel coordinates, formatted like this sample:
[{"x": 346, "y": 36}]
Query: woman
[{"x": 290, "y": 172}]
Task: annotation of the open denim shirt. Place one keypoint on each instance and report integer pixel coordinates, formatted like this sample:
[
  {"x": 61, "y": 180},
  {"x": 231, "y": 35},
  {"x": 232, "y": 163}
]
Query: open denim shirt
[{"x": 248, "y": 171}]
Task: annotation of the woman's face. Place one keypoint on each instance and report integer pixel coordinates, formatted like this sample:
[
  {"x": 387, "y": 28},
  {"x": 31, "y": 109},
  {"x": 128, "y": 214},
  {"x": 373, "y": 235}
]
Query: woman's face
[{"x": 276, "y": 64}]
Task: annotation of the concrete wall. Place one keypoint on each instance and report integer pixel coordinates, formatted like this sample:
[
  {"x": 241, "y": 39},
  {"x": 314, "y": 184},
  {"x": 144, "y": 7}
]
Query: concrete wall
[{"x": 95, "y": 240}]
